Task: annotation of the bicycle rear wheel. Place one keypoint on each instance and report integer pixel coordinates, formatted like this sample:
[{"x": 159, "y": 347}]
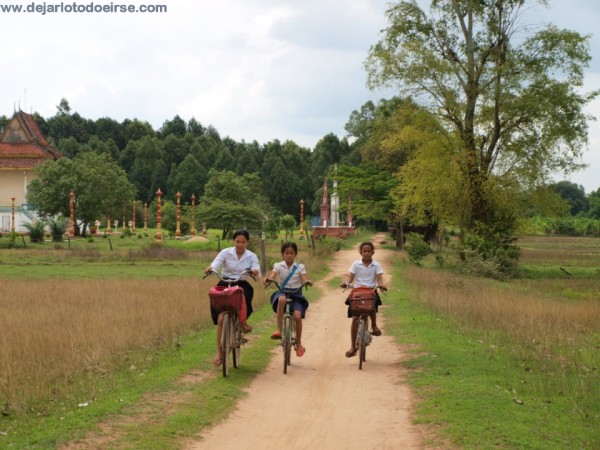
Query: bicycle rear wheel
[
  {"x": 286, "y": 342},
  {"x": 226, "y": 342}
]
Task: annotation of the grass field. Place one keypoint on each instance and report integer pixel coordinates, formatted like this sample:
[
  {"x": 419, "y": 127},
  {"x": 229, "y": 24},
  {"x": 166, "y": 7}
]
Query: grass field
[{"x": 513, "y": 364}]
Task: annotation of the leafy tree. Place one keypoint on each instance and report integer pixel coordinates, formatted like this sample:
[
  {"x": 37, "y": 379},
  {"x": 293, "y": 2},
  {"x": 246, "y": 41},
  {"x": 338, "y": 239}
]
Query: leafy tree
[
  {"x": 189, "y": 178},
  {"x": 135, "y": 129},
  {"x": 100, "y": 186},
  {"x": 148, "y": 171},
  {"x": 231, "y": 202},
  {"x": 510, "y": 104},
  {"x": 594, "y": 201},
  {"x": 176, "y": 126},
  {"x": 574, "y": 195},
  {"x": 288, "y": 223}
]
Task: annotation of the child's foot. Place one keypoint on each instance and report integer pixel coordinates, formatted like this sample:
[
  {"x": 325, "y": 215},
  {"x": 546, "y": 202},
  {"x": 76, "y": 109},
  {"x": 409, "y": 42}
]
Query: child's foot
[
  {"x": 376, "y": 331},
  {"x": 276, "y": 335},
  {"x": 350, "y": 353},
  {"x": 218, "y": 360},
  {"x": 300, "y": 351},
  {"x": 246, "y": 328}
]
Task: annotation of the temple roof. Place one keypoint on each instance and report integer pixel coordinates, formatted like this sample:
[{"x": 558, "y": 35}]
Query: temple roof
[{"x": 22, "y": 144}]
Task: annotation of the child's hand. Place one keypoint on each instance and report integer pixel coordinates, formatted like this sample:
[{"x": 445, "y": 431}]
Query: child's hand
[
  {"x": 266, "y": 280},
  {"x": 383, "y": 288},
  {"x": 309, "y": 282}
]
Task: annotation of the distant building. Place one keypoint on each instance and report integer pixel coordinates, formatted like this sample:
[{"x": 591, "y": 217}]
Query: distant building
[
  {"x": 329, "y": 222},
  {"x": 22, "y": 147}
]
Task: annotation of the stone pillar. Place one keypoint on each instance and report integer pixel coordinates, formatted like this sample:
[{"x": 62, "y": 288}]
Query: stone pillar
[
  {"x": 158, "y": 216},
  {"x": 193, "y": 232},
  {"x": 178, "y": 227}
]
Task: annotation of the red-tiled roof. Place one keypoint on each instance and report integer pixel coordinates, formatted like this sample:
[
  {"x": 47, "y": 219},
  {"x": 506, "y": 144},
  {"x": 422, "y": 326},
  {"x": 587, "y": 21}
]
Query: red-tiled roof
[{"x": 22, "y": 144}]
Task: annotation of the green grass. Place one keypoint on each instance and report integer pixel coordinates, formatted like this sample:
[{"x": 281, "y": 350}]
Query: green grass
[{"x": 482, "y": 391}]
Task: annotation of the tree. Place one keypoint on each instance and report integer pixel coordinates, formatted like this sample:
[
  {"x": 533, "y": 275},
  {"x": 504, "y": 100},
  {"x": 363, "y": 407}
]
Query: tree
[
  {"x": 232, "y": 202},
  {"x": 594, "y": 201},
  {"x": 100, "y": 186},
  {"x": 574, "y": 195},
  {"x": 288, "y": 223},
  {"x": 509, "y": 103}
]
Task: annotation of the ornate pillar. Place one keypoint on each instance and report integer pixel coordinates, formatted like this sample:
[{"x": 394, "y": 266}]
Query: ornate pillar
[
  {"x": 72, "y": 214},
  {"x": 145, "y": 216},
  {"x": 158, "y": 216},
  {"x": 193, "y": 232},
  {"x": 133, "y": 218},
  {"x": 349, "y": 211},
  {"x": 108, "y": 229},
  {"x": 178, "y": 226},
  {"x": 301, "y": 218},
  {"x": 12, "y": 212}
]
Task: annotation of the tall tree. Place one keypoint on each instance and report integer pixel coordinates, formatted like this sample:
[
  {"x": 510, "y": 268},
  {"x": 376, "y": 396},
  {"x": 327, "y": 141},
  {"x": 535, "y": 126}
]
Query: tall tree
[{"x": 510, "y": 102}]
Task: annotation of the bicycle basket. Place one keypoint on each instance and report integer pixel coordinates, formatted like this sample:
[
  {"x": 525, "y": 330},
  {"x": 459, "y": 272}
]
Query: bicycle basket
[
  {"x": 223, "y": 297},
  {"x": 362, "y": 301}
]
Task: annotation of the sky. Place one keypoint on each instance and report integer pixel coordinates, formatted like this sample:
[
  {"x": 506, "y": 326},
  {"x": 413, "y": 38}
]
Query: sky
[{"x": 253, "y": 69}]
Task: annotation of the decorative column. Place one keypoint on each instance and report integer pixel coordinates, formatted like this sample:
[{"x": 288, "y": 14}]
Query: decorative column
[
  {"x": 301, "y": 218},
  {"x": 108, "y": 229},
  {"x": 158, "y": 216},
  {"x": 145, "y": 216},
  {"x": 72, "y": 214},
  {"x": 178, "y": 217},
  {"x": 349, "y": 211},
  {"x": 12, "y": 212},
  {"x": 133, "y": 218},
  {"x": 193, "y": 232}
]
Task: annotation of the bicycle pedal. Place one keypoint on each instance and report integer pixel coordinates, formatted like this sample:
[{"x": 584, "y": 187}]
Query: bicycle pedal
[{"x": 244, "y": 340}]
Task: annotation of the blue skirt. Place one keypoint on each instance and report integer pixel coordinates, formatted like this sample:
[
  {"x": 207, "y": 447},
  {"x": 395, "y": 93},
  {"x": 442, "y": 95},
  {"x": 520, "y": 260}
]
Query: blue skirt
[{"x": 299, "y": 302}]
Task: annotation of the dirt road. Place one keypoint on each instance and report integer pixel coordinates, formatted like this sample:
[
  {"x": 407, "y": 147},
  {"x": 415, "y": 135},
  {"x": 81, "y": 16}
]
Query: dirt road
[{"x": 325, "y": 401}]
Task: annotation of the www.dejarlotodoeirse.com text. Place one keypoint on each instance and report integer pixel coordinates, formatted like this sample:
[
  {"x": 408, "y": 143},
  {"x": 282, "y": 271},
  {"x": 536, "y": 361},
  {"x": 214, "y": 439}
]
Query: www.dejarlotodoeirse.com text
[{"x": 80, "y": 8}]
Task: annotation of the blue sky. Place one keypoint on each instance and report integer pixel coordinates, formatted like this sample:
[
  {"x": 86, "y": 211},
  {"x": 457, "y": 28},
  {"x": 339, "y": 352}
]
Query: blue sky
[{"x": 254, "y": 69}]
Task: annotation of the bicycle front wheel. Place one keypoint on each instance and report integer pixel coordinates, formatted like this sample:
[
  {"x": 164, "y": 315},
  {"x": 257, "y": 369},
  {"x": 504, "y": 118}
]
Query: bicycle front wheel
[
  {"x": 237, "y": 343},
  {"x": 286, "y": 342},
  {"x": 226, "y": 342},
  {"x": 362, "y": 337}
]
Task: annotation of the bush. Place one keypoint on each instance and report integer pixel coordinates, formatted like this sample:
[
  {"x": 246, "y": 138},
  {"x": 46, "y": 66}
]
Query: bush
[
  {"x": 416, "y": 248},
  {"x": 489, "y": 253},
  {"x": 58, "y": 227},
  {"x": 36, "y": 230}
]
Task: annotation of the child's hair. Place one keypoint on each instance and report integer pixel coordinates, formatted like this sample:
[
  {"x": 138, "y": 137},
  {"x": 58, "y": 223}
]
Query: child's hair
[
  {"x": 289, "y": 245},
  {"x": 241, "y": 233},
  {"x": 370, "y": 244}
]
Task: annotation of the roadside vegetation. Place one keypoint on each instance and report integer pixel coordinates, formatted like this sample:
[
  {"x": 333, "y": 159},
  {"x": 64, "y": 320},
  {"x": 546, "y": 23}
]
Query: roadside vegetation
[{"x": 512, "y": 364}]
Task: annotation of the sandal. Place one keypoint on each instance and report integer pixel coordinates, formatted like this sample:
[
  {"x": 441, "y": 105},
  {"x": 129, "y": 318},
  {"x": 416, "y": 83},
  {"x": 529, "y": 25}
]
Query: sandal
[
  {"x": 217, "y": 361},
  {"x": 300, "y": 351},
  {"x": 376, "y": 331},
  {"x": 350, "y": 353},
  {"x": 246, "y": 328},
  {"x": 276, "y": 335}
]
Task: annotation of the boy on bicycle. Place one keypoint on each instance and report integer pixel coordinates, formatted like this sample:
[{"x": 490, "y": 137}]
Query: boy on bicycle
[{"x": 365, "y": 272}]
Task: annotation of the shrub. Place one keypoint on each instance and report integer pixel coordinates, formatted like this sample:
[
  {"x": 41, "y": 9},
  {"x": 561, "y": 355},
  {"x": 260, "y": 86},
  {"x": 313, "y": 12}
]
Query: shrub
[
  {"x": 58, "y": 226},
  {"x": 416, "y": 248},
  {"x": 36, "y": 230}
]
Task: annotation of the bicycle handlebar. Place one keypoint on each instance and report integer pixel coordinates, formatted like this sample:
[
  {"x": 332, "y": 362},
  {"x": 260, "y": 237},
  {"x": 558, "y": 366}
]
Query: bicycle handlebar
[
  {"x": 347, "y": 286},
  {"x": 231, "y": 280},
  {"x": 303, "y": 285}
]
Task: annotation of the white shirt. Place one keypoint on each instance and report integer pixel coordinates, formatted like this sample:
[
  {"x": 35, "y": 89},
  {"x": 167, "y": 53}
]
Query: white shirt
[
  {"x": 232, "y": 266},
  {"x": 365, "y": 275},
  {"x": 283, "y": 271}
]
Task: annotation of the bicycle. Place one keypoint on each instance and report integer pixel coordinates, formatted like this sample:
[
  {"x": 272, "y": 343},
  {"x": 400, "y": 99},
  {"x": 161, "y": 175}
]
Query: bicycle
[
  {"x": 362, "y": 302},
  {"x": 288, "y": 327},
  {"x": 227, "y": 300}
]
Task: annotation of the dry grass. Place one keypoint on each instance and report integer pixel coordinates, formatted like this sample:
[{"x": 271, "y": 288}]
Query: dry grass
[
  {"x": 526, "y": 318},
  {"x": 55, "y": 333}
]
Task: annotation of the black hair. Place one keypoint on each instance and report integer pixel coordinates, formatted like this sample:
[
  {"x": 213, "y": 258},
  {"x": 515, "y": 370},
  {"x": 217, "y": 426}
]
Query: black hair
[
  {"x": 370, "y": 244},
  {"x": 241, "y": 233},
  {"x": 289, "y": 245}
]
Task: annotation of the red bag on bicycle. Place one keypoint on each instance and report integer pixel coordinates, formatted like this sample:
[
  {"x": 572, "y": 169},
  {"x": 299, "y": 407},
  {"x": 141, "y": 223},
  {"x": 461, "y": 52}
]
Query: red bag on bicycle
[
  {"x": 223, "y": 297},
  {"x": 362, "y": 301}
]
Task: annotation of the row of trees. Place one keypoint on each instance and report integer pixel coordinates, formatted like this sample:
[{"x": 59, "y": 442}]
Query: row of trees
[{"x": 491, "y": 109}]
